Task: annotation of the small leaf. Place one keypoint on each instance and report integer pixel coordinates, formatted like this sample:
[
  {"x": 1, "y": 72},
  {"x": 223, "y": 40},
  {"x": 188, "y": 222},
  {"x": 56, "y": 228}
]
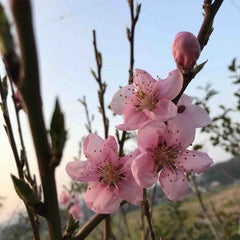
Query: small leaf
[
  {"x": 138, "y": 9},
  {"x": 58, "y": 134},
  {"x": 71, "y": 227},
  {"x": 128, "y": 32},
  {"x": 199, "y": 67},
  {"x": 94, "y": 74},
  {"x": 197, "y": 147},
  {"x": 6, "y": 39},
  {"x": 24, "y": 191},
  {"x": 232, "y": 67}
]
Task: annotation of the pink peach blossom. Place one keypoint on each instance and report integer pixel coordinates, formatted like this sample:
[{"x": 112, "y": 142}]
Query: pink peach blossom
[
  {"x": 65, "y": 198},
  {"x": 147, "y": 99},
  {"x": 185, "y": 49},
  {"x": 76, "y": 212},
  {"x": 109, "y": 176},
  {"x": 189, "y": 112},
  {"x": 165, "y": 157}
]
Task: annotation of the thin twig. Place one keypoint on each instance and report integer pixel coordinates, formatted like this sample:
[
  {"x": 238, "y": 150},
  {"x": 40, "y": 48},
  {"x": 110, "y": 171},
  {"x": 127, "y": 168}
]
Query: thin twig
[
  {"x": 102, "y": 85},
  {"x": 89, "y": 226},
  {"x": 88, "y": 125},
  {"x": 101, "y": 93},
  {"x": 9, "y": 131},
  {"x": 29, "y": 86},
  {"x": 20, "y": 164},
  {"x": 210, "y": 10},
  {"x": 151, "y": 205},
  {"x": 147, "y": 214},
  {"x": 204, "y": 209},
  {"x": 130, "y": 37}
]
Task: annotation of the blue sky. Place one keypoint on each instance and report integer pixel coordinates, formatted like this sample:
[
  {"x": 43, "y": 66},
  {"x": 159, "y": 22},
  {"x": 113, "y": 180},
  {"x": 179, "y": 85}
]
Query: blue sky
[{"x": 64, "y": 40}]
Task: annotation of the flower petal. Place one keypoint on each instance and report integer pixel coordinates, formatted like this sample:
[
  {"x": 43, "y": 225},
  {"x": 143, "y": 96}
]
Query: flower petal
[
  {"x": 198, "y": 116},
  {"x": 133, "y": 119},
  {"x": 126, "y": 161},
  {"x": 173, "y": 183},
  {"x": 130, "y": 191},
  {"x": 185, "y": 100},
  {"x": 102, "y": 199},
  {"x": 144, "y": 171},
  {"x": 192, "y": 112},
  {"x": 180, "y": 132},
  {"x": 144, "y": 81},
  {"x": 148, "y": 135},
  {"x": 82, "y": 171},
  {"x": 121, "y": 99},
  {"x": 110, "y": 150},
  {"x": 164, "y": 110},
  {"x": 194, "y": 161},
  {"x": 92, "y": 147},
  {"x": 171, "y": 86}
]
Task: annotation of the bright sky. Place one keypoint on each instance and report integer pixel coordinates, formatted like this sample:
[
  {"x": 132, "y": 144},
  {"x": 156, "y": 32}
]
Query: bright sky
[{"x": 64, "y": 39}]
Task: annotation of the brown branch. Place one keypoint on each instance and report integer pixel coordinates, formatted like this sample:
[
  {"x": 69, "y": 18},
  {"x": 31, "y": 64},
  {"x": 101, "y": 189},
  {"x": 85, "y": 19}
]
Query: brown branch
[
  {"x": 18, "y": 161},
  {"x": 102, "y": 85},
  {"x": 29, "y": 86},
  {"x": 210, "y": 10},
  {"x": 89, "y": 119},
  {"x": 204, "y": 209},
  {"x": 130, "y": 37},
  {"x": 131, "y": 34},
  {"x": 147, "y": 214},
  {"x": 89, "y": 226}
]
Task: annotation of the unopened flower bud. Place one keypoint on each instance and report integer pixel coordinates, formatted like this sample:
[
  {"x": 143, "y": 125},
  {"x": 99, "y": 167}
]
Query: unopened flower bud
[{"x": 186, "y": 50}]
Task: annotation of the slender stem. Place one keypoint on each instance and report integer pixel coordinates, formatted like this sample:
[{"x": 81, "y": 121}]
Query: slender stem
[
  {"x": 31, "y": 179},
  {"x": 102, "y": 85},
  {"x": 147, "y": 213},
  {"x": 210, "y": 10},
  {"x": 101, "y": 93},
  {"x": 88, "y": 125},
  {"x": 19, "y": 163},
  {"x": 107, "y": 228},
  {"x": 10, "y": 133},
  {"x": 89, "y": 226},
  {"x": 29, "y": 86},
  {"x": 204, "y": 209},
  {"x": 151, "y": 205},
  {"x": 130, "y": 37}
]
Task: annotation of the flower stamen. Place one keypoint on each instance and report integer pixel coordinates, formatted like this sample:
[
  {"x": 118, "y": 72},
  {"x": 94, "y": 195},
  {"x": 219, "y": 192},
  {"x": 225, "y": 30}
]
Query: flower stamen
[
  {"x": 110, "y": 174},
  {"x": 165, "y": 156}
]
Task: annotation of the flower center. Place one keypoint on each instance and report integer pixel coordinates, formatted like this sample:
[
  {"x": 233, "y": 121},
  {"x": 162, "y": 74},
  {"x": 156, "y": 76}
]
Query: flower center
[
  {"x": 110, "y": 174},
  {"x": 165, "y": 156},
  {"x": 146, "y": 101}
]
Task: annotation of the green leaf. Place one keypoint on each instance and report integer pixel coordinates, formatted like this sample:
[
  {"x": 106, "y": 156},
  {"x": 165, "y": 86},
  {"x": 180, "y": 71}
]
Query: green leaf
[
  {"x": 199, "y": 67},
  {"x": 24, "y": 191},
  {"x": 72, "y": 226},
  {"x": 58, "y": 134},
  {"x": 6, "y": 39},
  {"x": 197, "y": 147},
  {"x": 232, "y": 67}
]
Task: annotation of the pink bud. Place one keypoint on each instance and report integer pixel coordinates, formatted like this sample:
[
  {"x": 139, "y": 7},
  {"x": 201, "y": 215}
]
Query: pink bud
[
  {"x": 186, "y": 50},
  {"x": 65, "y": 198},
  {"x": 76, "y": 212}
]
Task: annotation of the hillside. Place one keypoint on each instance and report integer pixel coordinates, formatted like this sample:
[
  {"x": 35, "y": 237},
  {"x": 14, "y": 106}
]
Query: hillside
[{"x": 224, "y": 173}]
